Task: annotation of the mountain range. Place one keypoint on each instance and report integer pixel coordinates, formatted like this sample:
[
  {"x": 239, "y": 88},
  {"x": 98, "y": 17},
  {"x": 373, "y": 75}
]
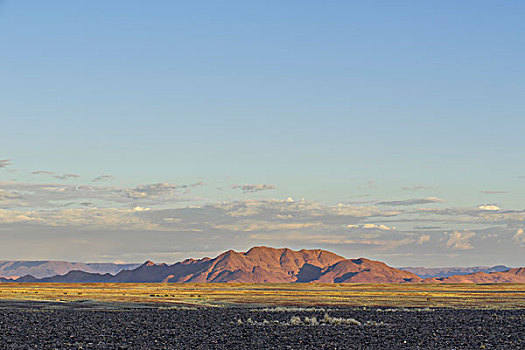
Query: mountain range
[
  {"x": 271, "y": 265},
  {"x": 429, "y": 272},
  {"x": 41, "y": 269}
]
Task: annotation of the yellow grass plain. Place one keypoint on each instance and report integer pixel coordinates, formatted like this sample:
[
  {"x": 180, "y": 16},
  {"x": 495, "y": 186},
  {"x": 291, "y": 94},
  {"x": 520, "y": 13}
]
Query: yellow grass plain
[{"x": 491, "y": 296}]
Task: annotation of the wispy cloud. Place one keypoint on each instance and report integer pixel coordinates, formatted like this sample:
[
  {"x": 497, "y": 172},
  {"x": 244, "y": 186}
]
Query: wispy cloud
[
  {"x": 416, "y": 188},
  {"x": 250, "y": 226},
  {"x": 153, "y": 190},
  {"x": 422, "y": 227},
  {"x": 52, "y": 195},
  {"x": 109, "y": 218},
  {"x": 254, "y": 187},
  {"x": 67, "y": 176},
  {"x": 415, "y": 201},
  {"x": 103, "y": 178},
  {"x": 5, "y": 162},
  {"x": 241, "y": 216},
  {"x": 9, "y": 198},
  {"x": 43, "y": 172},
  {"x": 374, "y": 244},
  {"x": 8, "y": 195}
]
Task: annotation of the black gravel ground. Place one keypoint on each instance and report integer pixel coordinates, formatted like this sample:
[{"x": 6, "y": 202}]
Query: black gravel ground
[{"x": 32, "y": 325}]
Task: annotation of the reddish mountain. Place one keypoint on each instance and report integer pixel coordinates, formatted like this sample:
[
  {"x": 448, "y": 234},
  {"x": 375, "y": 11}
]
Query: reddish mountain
[
  {"x": 270, "y": 265},
  {"x": 258, "y": 265}
]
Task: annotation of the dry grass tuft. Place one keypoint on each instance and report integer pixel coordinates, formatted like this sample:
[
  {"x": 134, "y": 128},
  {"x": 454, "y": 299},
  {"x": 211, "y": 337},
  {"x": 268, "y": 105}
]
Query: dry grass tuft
[{"x": 327, "y": 320}]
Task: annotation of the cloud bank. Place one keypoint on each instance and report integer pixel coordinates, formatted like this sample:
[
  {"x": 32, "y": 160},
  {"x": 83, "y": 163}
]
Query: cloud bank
[{"x": 382, "y": 230}]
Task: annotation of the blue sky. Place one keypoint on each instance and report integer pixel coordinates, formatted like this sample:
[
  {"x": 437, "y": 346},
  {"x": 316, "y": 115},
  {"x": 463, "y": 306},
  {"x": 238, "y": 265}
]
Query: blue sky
[{"x": 346, "y": 102}]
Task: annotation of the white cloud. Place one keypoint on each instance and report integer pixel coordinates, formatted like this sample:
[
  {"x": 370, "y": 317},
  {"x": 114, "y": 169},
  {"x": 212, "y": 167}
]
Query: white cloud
[
  {"x": 519, "y": 236},
  {"x": 372, "y": 226},
  {"x": 489, "y": 207},
  {"x": 460, "y": 240},
  {"x": 141, "y": 209}
]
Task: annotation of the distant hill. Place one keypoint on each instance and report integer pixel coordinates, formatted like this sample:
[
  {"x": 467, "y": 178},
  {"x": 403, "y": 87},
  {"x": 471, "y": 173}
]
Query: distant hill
[
  {"x": 430, "y": 272},
  {"x": 271, "y": 265},
  {"x": 516, "y": 275},
  {"x": 42, "y": 269}
]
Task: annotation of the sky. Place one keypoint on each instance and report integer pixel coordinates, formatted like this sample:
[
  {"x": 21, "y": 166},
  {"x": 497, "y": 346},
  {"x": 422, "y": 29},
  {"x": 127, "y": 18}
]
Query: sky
[{"x": 389, "y": 130}]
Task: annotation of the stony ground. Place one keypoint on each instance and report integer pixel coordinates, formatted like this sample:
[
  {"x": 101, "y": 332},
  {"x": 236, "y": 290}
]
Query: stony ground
[{"x": 32, "y": 325}]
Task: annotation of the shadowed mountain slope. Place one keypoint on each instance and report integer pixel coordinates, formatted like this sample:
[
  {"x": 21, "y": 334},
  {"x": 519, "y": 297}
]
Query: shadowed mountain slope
[{"x": 365, "y": 271}]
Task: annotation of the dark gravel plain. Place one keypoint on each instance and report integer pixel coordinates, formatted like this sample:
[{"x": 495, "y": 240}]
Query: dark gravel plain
[{"x": 42, "y": 325}]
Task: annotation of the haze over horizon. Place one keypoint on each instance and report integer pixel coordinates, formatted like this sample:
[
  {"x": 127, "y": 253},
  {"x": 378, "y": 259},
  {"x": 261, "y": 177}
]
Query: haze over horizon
[{"x": 390, "y": 131}]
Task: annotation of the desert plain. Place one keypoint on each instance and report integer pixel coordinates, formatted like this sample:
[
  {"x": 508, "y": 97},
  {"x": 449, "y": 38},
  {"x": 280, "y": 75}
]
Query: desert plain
[
  {"x": 461, "y": 295},
  {"x": 261, "y": 316}
]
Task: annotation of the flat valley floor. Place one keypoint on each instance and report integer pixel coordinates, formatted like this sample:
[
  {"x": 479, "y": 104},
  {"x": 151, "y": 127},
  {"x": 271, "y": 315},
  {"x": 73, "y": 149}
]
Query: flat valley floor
[{"x": 261, "y": 316}]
